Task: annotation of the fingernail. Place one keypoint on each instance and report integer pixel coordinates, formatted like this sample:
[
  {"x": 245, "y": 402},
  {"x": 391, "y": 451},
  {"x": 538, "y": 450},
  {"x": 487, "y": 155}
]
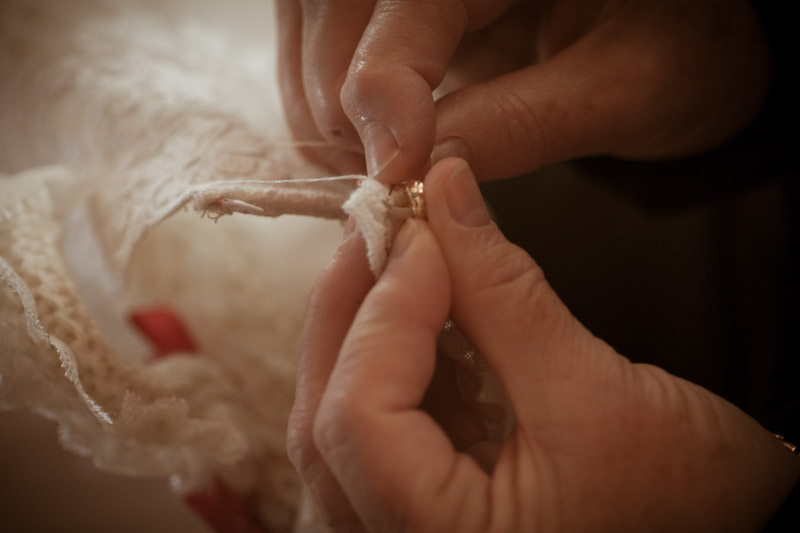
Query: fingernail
[
  {"x": 380, "y": 147},
  {"x": 464, "y": 198},
  {"x": 403, "y": 240},
  {"x": 450, "y": 147}
]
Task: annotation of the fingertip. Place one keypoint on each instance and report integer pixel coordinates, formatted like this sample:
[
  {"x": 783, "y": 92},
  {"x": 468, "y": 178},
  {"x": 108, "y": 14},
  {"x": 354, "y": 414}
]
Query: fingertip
[
  {"x": 380, "y": 148},
  {"x": 392, "y": 162},
  {"x": 453, "y": 195},
  {"x": 440, "y": 172},
  {"x": 393, "y": 112},
  {"x": 464, "y": 200},
  {"x": 452, "y": 146},
  {"x": 416, "y": 249}
]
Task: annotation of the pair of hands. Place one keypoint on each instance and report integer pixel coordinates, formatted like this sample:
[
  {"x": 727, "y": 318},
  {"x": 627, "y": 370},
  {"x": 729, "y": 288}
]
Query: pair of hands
[
  {"x": 518, "y": 84},
  {"x": 600, "y": 443}
]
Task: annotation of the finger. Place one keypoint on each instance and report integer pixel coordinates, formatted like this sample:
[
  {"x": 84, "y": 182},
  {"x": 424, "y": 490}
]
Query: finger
[
  {"x": 395, "y": 464},
  {"x": 333, "y": 303},
  {"x": 293, "y": 93},
  {"x": 501, "y": 299},
  {"x": 290, "y": 79},
  {"x": 331, "y": 32},
  {"x": 635, "y": 88},
  {"x": 401, "y": 58},
  {"x": 560, "y": 109}
]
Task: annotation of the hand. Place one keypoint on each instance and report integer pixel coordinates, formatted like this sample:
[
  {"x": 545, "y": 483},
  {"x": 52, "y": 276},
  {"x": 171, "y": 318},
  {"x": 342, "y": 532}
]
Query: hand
[
  {"x": 527, "y": 83},
  {"x": 600, "y": 443}
]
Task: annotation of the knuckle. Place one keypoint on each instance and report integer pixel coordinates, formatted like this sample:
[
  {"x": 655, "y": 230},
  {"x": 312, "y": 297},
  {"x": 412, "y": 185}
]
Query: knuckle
[
  {"x": 359, "y": 84},
  {"x": 516, "y": 269},
  {"x": 523, "y": 126}
]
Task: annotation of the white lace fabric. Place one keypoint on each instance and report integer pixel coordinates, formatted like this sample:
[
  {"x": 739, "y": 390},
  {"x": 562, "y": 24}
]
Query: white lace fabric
[
  {"x": 147, "y": 112},
  {"x": 219, "y": 414}
]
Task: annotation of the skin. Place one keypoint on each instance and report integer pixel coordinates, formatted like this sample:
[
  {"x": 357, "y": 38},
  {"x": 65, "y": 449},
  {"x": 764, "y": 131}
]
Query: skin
[
  {"x": 520, "y": 84},
  {"x": 601, "y": 444}
]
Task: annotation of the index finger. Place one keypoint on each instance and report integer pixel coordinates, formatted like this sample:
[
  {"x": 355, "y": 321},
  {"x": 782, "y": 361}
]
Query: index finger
[{"x": 388, "y": 92}]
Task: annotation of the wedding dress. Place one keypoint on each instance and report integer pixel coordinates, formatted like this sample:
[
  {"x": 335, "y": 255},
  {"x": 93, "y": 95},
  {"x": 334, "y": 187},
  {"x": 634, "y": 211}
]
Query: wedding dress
[{"x": 127, "y": 130}]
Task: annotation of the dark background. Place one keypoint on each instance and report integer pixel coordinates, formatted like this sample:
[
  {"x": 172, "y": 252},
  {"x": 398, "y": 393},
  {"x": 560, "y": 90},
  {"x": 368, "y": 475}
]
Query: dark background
[
  {"x": 689, "y": 272},
  {"x": 691, "y": 264}
]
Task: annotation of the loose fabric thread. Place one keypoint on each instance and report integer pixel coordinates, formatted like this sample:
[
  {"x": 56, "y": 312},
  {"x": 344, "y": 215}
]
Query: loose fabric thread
[{"x": 368, "y": 201}]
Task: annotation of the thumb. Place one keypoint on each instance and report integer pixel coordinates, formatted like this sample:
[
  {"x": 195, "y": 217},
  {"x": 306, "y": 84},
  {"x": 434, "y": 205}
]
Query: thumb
[
  {"x": 500, "y": 297},
  {"x": 645, "y": 82},
  {"x": 569, "y": 106}
]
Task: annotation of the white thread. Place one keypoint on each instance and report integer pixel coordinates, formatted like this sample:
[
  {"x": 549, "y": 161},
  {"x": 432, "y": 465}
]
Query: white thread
[{"x": 304, "y": 144}]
